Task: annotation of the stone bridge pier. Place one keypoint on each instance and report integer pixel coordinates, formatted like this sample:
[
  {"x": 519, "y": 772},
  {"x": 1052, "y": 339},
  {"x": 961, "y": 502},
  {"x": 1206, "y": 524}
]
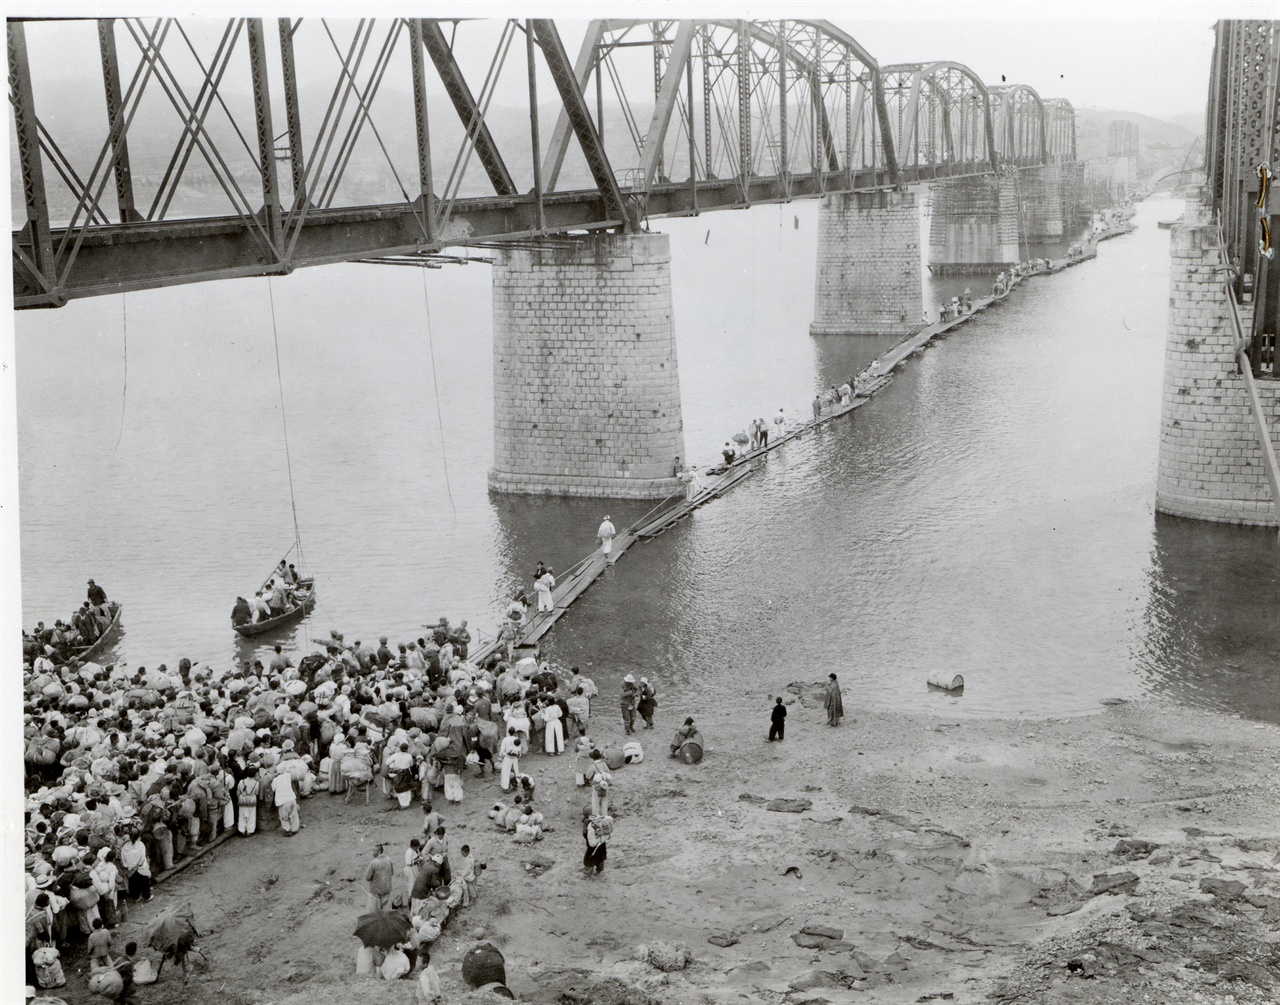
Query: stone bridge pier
[
  {"x": 1040, "y": 192},
  {"x": 1211, "y": 463},
  {"x": 868, "y": 275},
  {"x": 974, "y": 225},
  {"x": 586, "y": 387}
]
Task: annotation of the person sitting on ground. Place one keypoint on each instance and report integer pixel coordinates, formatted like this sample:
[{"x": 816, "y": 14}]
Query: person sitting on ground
[{"x": 683, "y": 734}]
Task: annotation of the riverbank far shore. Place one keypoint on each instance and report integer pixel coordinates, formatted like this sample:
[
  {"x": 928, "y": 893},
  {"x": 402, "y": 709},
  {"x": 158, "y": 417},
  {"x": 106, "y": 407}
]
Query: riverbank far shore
[{"x": 930, "y": 859}]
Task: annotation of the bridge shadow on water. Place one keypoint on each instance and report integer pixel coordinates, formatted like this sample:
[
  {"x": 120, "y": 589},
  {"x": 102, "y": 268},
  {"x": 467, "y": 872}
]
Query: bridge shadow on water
[{"x": 1209, "y": 633}]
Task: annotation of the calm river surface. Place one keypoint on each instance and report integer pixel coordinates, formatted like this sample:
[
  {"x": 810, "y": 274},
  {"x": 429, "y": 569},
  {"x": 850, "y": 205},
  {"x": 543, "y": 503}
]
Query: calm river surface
[{"x": 990, "y": 513}]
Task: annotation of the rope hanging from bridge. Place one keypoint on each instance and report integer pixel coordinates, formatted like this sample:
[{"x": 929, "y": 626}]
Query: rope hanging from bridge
[
  {"x": 284, "y": 422},
  {"x": 124, "y": 390},
  {"x": 435, "y": 383}
]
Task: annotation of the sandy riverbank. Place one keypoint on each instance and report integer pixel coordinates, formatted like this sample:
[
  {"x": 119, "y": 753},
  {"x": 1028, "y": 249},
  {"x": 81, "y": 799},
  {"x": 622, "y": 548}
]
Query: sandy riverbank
[{"x": 954, "y": 858}]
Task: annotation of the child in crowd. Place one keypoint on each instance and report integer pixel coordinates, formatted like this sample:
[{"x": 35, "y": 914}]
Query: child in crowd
[{"x": 99, "y": 945}]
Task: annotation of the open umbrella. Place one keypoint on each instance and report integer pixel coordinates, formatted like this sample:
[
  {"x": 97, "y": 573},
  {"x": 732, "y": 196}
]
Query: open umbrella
[
  {"x": 383, "y": 929},
  {"x": 173, "y": 927}
]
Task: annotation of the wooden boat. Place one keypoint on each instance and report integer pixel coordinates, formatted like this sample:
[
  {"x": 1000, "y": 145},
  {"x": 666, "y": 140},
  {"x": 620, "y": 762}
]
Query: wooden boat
[
  {"x": 305, "y": 600},
  {"x": 85, "y": 653}
]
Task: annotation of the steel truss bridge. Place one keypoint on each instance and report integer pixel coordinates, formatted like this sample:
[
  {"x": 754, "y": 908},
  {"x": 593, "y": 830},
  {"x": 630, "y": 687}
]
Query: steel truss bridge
[
  {"x": 244, "y": 148},
  {"x": 1242, "y": 144}
]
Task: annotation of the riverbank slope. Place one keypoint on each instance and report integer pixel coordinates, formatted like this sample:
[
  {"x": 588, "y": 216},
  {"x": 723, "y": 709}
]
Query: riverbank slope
[{"x": 935, "y": 859}]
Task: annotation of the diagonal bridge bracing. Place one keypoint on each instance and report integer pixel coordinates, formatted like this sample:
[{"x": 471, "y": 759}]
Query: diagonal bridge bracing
[{"x": 247, "y": 148}]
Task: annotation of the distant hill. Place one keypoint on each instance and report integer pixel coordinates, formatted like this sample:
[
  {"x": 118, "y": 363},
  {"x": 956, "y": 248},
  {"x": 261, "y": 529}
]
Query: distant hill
[{"x": 1092, "y": 125}]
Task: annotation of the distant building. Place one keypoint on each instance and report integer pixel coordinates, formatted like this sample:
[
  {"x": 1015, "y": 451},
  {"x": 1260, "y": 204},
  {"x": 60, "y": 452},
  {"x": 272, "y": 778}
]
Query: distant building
[{"x": 1122, "y": 139}]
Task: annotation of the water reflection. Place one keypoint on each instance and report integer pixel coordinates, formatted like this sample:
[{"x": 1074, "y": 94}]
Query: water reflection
[
  {"x": 989, "y": 513},
  {"x": 1210, "y": 633}
]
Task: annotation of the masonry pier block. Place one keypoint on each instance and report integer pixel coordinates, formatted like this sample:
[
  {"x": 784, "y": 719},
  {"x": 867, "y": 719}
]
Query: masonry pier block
[
  {"x": 973, "y": 226},
  {"x": 1042, "y": 197},
  {"x": 586, "y": 387},
  {"x": 868, "y": 276},
  {"x": 1211, "y": 465}
]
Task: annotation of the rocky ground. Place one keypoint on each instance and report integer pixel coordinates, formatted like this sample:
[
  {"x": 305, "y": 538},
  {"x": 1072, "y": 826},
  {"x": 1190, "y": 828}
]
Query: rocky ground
[{"x": 1128, "y": 856}]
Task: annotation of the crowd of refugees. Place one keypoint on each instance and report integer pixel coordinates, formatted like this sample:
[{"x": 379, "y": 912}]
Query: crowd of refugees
[{"x": 131, "y": 771}]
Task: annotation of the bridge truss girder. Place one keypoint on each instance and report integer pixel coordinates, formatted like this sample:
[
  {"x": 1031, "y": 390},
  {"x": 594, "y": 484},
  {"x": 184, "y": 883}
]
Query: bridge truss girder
[
  {"x": 1242, "y": 137},
  {"x": 281, "y": 123},
  {"x": 940, "y": 115}
]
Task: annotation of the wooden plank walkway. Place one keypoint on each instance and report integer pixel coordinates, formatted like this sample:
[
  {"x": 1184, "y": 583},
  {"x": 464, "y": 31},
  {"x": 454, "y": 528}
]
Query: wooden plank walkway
[
  {"x": 719, "y": 480},
  {"x": 579, "y": 578}
]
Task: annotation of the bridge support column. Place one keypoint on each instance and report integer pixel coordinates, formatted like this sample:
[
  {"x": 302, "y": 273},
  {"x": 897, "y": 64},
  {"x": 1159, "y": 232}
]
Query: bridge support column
[
  {"x": 869, "y": 280},
  {"x": 586, "y": 388},
  {"x": 1041, "y": 196},
  {"x": 1075, "y": 203},
  {"x": 974, "y": 224},
  {"x": 1211, "y": 465}
]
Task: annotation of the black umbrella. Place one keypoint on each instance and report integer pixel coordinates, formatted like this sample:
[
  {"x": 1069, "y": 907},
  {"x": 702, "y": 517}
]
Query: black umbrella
[{"x": 383, "y": 929}]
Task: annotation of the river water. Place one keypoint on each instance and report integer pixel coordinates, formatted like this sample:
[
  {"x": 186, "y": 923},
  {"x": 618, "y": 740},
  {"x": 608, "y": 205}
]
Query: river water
[{"x": 990, "y": 513}]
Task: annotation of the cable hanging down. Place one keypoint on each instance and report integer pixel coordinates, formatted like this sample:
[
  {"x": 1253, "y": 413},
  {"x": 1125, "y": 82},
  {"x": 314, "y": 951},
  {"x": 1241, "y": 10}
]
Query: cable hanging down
[
  {"x": 124, "y": 390},
  {"x": 435, "y": 383},
  {"x": 284, "y": 422}
]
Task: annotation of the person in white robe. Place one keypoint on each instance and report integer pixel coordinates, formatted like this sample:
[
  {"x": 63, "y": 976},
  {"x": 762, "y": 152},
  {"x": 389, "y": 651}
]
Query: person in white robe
[{"x": 606, "y": 534}]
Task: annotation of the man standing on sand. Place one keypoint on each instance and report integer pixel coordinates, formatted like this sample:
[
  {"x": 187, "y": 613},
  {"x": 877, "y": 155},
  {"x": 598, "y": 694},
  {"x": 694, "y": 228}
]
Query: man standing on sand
[
  {"x": 286, "y": 799},
  {"x": 647, "y": 703},
  {"x": 606, "y": 534},
  {"x": 833, "y": 702},
  {"x": 580, "y": 710},
  {"x": 597, "y": 833},
  {"x": 510, "y": 754},
  {"x": 777, "y": 721},
  {"x": 380, "y": 876},
  {"x": 630, "y": 697}
]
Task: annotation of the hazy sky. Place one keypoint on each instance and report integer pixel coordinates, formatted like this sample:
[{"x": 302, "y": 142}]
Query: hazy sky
[{"x": 1130, "y": 55}]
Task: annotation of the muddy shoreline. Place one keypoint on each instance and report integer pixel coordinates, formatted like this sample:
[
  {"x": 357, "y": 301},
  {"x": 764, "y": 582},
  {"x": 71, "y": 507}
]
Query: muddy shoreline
[{"x": 935, "y": 860}]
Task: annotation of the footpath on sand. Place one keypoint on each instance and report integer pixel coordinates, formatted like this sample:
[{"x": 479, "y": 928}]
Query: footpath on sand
[{"x": 1125, "y": 857}]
